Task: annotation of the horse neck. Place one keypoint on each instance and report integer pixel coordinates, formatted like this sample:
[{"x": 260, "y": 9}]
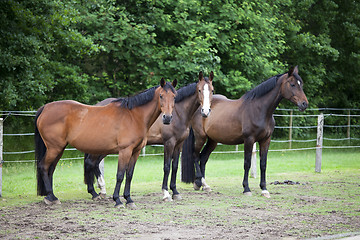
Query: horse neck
[
  {"x": 269, "y": 102},
  {"x": 186, "y": 108},
  {"x": 149, "y": 112}
]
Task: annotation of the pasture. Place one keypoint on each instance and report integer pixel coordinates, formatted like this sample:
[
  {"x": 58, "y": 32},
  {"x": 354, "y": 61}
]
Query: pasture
[{"x": 321, "y": 205}]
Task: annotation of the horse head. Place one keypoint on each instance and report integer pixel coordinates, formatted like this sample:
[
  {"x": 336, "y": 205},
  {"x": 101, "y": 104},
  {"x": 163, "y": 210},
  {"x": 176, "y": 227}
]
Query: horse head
[
  {"x": 167, "y": 99},
  {"x": 205, "y": 91},
  {"x": 292, "y": 89}
]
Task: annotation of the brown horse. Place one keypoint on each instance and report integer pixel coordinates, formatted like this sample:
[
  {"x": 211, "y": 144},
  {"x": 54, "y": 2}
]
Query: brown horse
[
  {"x": 187, "y": 101},
  {"x": 119, "y": 127},
  {"x": 246, "y": 120}
]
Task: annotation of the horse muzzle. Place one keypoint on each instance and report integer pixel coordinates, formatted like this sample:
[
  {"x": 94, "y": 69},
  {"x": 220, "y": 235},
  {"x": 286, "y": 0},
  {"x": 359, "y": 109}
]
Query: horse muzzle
[
  {"x": 302, "y": 105},
  {"x": 166, "y": 119},
  {"x": 205, "y": 113}
]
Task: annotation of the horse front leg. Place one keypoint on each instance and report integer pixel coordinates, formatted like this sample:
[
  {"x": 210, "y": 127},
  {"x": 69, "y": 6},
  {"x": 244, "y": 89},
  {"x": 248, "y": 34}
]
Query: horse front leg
[
  {"x": 199, "y": 143},
  {"x": 129, "y": 174},
  {"x": 248, "y": 145},
  {"x": 123, "y": 162},
  {"x": 175, "y": 164},
  {"x": 100, "y": 176},
  {"x": 198, "y": 173},
  {"x": 264, "y": 147},
  {"x": 168, "y": 149}
]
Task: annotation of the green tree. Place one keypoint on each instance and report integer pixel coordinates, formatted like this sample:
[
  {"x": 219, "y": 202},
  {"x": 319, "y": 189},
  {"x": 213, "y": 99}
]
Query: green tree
[{"x": 39, "y": 50}]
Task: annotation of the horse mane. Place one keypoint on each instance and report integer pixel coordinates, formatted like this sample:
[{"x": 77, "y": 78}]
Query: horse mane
[
  {"x": 142, "y": 97},
  {"x": 185, "y": 92},
  {"x": 262, "y": 89}
]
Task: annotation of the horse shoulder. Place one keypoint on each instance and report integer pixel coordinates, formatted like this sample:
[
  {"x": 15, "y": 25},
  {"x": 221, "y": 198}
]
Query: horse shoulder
[{"x": 154, "y": 135}]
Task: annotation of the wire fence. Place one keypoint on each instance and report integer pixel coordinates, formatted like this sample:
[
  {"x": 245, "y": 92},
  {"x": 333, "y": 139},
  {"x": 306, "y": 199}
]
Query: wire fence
[{"x": 286, "y": 125}]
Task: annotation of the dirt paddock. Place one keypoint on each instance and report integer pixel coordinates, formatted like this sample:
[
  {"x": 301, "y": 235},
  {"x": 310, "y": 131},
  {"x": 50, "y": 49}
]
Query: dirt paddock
[{"x": 199, "y": 215}]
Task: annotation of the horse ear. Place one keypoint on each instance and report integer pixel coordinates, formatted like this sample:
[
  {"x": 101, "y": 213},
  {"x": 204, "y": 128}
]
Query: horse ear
[
  {"x": 293, "y": 70},
  {"x": 296, "y": 70},
  {"x": 174, "y": 83},
  {"x": 162, "y": 82},
  {"x": 211, "y": 75},
  {"x": 200, "y": 76}
]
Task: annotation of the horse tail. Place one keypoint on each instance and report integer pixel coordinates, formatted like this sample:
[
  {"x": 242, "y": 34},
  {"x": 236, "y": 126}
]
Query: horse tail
[
  {"x": 187, "y": 159},
  {"x": 40, "y": 152}
]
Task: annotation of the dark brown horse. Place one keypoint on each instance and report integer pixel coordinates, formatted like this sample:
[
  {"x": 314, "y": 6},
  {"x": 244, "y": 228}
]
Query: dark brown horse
[
  {"x": 187, "y": 101},
  {"x": 119, "y": 127},
  {"x": 246, "y": 120}
]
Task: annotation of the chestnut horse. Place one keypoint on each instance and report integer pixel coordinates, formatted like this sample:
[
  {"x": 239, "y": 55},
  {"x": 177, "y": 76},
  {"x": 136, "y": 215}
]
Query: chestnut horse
[
  {"x": 246, "y": 120},
  {"x": 187, "y": 101},
  {"x": 119, "y": 127}
]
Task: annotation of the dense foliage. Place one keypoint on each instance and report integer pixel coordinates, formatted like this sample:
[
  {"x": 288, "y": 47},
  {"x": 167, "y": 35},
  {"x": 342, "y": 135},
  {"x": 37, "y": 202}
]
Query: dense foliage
[{"x": 90, "y": 50}]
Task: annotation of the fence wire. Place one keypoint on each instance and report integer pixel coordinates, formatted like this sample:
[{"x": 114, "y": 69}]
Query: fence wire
[{"x": 32, "y": 114}]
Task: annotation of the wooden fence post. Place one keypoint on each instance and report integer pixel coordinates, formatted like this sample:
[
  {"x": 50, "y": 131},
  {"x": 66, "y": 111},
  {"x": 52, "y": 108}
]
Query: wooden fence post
[
  {"x": 253, "y": 162},
  {"x": 290, "y": 129},
  {"x": 1, "y": 153},
  {"x": 349, "y": 125},
  {"x": 319, "y": 142}
]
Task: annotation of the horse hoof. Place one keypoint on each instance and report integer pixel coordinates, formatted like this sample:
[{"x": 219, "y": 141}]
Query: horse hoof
[
  {"x": 248, "y": 193},
  {"x": 265, "y": 194},
  {"x": 196, "y": 187},
  {"x": 119, "y": 205},
  {"x": 131, "y": 205},
  {"x": 167, "y": 199},
  {"x": 207, "y": 189},
  {"x": 48, "y": 202},
  {"x": 177, "y": 197},
  {"x": 97, "y": 198},
  {"x": 102, "y": 195}
]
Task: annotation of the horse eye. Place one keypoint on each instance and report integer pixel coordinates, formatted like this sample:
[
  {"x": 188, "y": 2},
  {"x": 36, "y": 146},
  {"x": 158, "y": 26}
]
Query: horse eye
[
  {"x": 293, "y": 85},
  {"x": 161, "y": 96},
  {"x": 199, "y": 91}
]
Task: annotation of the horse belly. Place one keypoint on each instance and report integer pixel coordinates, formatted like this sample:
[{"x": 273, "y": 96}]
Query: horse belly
[
  {"x": 94, "y": 145},
  {"x": 229, "y": 134}
]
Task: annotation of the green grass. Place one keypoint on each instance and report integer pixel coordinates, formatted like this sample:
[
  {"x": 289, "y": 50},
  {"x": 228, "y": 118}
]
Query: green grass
[{"x": 19, "y": 179}]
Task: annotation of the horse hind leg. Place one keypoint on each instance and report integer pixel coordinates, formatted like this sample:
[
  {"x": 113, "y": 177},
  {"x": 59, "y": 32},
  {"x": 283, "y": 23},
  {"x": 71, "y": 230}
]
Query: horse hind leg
[
  {"x": 204, "y": 157},
  {"x": 47, "y": 169},
  {"x": 90, "y": 167}
]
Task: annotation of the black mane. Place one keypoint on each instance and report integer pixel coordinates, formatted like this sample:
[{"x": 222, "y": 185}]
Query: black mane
[
  {"x": 262, "y": 88},
  {"x": 185, "y": 92},
  {"x": 141, "y": 98}
]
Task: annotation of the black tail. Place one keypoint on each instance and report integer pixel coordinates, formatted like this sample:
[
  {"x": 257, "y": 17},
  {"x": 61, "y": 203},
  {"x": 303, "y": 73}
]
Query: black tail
[
  {"x": 40, "y": 152},
  {"x": 91, "y": 167},
  {"x": 187, "y": 159},
  {"x": 88, "y": 170}
]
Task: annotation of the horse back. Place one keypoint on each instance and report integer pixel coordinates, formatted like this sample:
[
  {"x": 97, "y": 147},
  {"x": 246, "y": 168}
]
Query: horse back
[{"x": 91, "y": 129}]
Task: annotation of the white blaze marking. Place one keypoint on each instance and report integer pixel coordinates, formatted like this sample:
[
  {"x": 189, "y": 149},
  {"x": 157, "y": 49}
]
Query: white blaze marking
[
  {"x": 298, "y": 82},
  {"x": 206, "y": 104}
]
